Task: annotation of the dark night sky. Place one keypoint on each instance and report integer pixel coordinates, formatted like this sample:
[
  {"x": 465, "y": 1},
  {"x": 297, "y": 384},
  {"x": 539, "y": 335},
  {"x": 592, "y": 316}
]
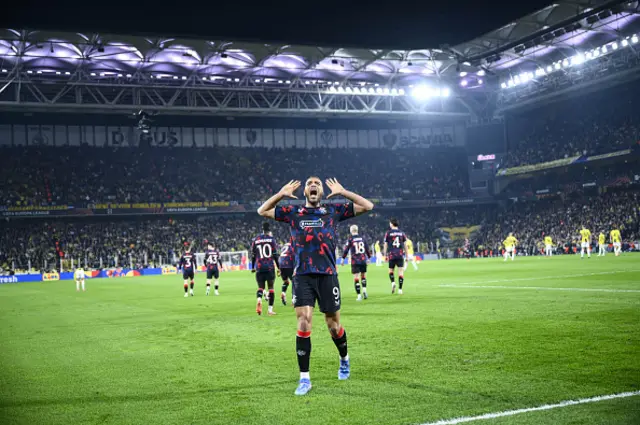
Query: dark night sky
[{"x": 392, "y": 24}]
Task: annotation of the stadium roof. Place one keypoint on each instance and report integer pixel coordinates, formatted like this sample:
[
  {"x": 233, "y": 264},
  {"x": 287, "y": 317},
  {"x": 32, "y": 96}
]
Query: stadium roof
[
  {"x": 109, "y": 70},
  {"x": 53, "y": 51},
  {"x": 557, "y": 31}
]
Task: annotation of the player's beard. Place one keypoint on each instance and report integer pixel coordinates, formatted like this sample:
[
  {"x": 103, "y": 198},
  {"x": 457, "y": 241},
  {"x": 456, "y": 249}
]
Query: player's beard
[{"x": 313, "y": 200}]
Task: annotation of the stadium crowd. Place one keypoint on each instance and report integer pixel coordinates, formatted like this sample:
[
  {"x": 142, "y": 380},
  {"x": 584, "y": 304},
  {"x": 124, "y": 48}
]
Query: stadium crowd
[
  {"x": 86, "y": 175},
  {"x": 562, "y": 219},
  {"x": 145, "y": 241},
  {"x": 594, "y": 124}
]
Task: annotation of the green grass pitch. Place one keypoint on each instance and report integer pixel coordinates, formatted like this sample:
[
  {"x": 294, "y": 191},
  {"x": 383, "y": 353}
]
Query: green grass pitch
[{"x": 466, "y": 338}]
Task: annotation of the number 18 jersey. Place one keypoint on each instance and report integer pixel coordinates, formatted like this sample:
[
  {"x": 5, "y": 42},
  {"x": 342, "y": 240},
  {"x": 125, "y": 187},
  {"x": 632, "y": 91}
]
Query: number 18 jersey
[
  {"x": 395, "y": 239},
  {"x": 359, "y": 249}
]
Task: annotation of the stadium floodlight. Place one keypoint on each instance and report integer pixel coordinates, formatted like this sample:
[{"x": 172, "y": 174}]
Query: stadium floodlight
[
  {"x": 614, "y": 45},
  {"x": 503, "y": 85},
  {"x": 401, "y": 92},
  {"x": 578, "y": 59},
  {"x": 385, "y": 91},
  {"x": 280, "y": 81},
  {"x": 464, "y": 83},
  {"x": 237, "y": 80},
  {"x": 481, "y": 73},
  {"x": 463, "y": 74},
  {"x": 394, "y": 92},
  {"x": 332, "y": 90},
  {"x": 288, "y": 82},
  {"x": 604, "y": 49},
  {"x": 93, "y": 74},
  {"x": 421, "y": 92},
  {"x": 596, "y": 53},
  {"x": 445, "y": 92},
  {"x": 379, "y": 90},
  {"x": 625, "y": 43},
  {"x": 340, "y": 89},
  {"x": 348, "y": 90},
  {"x": 119, "y": 75},
  {"x": 557, "y": 65},
  {"x": 634, "y": 39},
  {"x": 539, "y": 72},
  {"x": 480, "y": 81},
  {"x": 371, "y": 90}
]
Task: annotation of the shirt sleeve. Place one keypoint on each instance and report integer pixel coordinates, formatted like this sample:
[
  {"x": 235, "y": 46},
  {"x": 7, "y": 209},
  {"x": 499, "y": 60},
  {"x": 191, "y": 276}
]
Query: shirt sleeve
[
  {"x": 345, "y": 211},
  {"x": 283, "y": 214},
  {"x": 346, "y": 249}
]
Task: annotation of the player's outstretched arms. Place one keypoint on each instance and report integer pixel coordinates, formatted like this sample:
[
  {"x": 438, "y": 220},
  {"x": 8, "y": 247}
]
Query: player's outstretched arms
[
  {"x": 360, "y": 205},
  {"x": 268, "y": 209}
]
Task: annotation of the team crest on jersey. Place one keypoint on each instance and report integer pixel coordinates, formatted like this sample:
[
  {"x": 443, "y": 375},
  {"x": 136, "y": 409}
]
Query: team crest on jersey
[
  {"x": 311, "y": 223},
  {"x": 322, "y": 210}
]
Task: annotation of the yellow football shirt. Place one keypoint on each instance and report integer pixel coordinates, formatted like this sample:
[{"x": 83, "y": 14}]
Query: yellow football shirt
[
  {"x": 547, "y": 240},
  {"x": 615, "y": 235},
  {"x": 601, "y": 239},
  {"x": 586, "y": 235},
  {"x": 409, "y": 247},
  {"x": 510, "y": 242}
]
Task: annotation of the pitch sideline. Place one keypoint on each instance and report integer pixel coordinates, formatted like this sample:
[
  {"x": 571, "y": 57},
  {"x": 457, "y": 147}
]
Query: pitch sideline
[{"x": 504, "y": 413}]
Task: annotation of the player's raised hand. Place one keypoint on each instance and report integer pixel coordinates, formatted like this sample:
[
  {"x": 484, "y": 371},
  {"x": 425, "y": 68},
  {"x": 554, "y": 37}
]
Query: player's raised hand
[
  {"x": 335, "y": 187},
  {"x": 288, "y": 189}
]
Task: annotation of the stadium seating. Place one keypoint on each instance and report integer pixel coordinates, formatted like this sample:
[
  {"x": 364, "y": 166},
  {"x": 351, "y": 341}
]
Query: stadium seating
[
  {"x": 81, "y": 175},
  {"x": 594, "y": 124},
  {"x": 35, "y": 239}
]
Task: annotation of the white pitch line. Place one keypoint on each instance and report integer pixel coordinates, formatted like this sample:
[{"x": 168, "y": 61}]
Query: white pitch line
[
  {"x": 566, "y": 403},
  {"x": 544, "y": 288},
  {"x": 548, "y": 277}
]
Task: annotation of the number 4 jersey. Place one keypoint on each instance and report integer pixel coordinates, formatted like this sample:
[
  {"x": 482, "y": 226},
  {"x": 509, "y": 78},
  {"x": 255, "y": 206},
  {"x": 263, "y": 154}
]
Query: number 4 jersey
[
  {"x": 358, "y": 248},
  {"x": 264, "y": 253},
  {"x": 395, "y": 239}
]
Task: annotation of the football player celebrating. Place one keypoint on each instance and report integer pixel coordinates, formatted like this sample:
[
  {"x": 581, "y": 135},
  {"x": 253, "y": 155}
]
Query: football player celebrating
[{"x": 313, "y": 235}]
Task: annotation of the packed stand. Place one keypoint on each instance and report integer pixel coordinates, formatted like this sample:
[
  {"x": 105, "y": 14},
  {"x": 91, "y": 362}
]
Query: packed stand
[
  {"x": 86, "y": 175},
  {"x": 562, "y": 219},
  {"x": 160, "y": 241},
  {"x": 594, "y": 124}
]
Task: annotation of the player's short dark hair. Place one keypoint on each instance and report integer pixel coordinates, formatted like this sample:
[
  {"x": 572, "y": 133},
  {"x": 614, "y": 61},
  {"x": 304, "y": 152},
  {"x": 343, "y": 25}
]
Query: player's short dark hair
[
  {"x": 394, "y": 221},
  {"x": 266, "y": 226}
]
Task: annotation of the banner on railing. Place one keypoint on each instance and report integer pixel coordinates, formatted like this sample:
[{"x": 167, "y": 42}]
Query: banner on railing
[{"x": 118, "y": 209}]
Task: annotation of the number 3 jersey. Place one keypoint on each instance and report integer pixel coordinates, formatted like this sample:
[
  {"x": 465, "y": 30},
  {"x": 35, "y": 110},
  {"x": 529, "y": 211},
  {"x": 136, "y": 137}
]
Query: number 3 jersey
[
  {"x": 358, "y": 248},
  {"x": 264, "y": 253},
  {"x": 188, "y": 261},
  {"x": 395, "y": 239},
  {"x": 313, "y": 235}
]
